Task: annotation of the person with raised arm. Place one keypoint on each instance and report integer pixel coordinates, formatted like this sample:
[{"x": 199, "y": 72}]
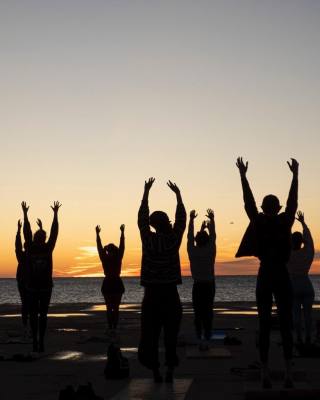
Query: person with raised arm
[
  {"x": 160, "y": 275},
  {"x": 202, "y": 253},
  {"x": 268, "y": 238},
  {"x": 39, "y": 281},
  {"x": 112, "y": 287},
  {"x": 21, "y": 277},
  {"x": 299, "y": 265}
]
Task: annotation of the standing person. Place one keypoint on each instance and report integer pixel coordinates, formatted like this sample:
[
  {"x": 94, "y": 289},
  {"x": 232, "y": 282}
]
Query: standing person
[
  {"x": 202, "y": 253},
  {"x": 20, "y": 277},
  {"x": 303, "y": 292},
  {"x": 268, "y": 237},
  {"x": 160, "y": 275},
  {"x": 112, "y": 286},
  {"x": 39, "y": 273}
]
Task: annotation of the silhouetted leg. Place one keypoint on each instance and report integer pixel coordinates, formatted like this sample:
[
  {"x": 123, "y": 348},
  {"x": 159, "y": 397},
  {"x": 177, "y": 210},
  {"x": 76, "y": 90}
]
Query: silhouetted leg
[
  {"x": 33, "y": 300},
  {"x": 197, "y": 309},
  {"x": 172, "y": 313},
  {"x": 208, "y": 309},
  {"x": 24, "y": 305},
  {"x": 307, "y": 310},
  {"x": 151, "y": 323},
  {"x": 116, "y": 305},
  {"x": 297, "y": 318},
  {"x": 283, "y": 297},
  {"x": 264, "y": 305},
  {"x": 45, "y": 298}
]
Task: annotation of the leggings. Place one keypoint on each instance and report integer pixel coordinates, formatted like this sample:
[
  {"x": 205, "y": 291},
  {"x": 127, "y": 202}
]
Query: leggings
[
  {"x": 39, "y": 304},
  {"x": 275, "y": 283},
  {"x": 202, "y": 300},
  {"x": 161, "y": 309},
  {"x": 303, "y": 298}
]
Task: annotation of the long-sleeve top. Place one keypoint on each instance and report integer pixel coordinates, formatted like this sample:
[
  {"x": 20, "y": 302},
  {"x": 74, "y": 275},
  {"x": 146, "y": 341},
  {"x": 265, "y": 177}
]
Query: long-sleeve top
[
  {"x": 202, "y": 258},
  {"x": 21, "y": 258},
  {"x": 160, "y": 251},
  {"x": 39, "y": 258},
  {"x": 111, "y": 263},
  {"x": 300, "y": 260},
  {"x": 268, "y": 237}
]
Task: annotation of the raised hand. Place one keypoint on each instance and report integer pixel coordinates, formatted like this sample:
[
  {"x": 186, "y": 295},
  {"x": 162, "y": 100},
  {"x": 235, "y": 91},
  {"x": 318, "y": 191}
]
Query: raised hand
[
  {"x": 300, "y": 217},
  {"x": 56, "y": 206},
  {"x": 98, "y": 229},
  {"x": 243, "y": 167},
  {"x": 148, "y": 184},
  {"x": 294, "y": 166},
  {"x": 39, "y": 223},
  {"x": 173, "y": 187},
  {"x": 19, "y": 225},
  {"x": 25, "y": 208},
  {"x": 193, "y": 214},
  {"x": 122, "y": 227},
  {"x": 210, "y": 214}
]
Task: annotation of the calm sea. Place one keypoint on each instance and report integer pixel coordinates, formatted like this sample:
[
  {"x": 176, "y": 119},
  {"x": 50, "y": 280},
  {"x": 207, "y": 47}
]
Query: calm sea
[{"x": 87, "y": 290}]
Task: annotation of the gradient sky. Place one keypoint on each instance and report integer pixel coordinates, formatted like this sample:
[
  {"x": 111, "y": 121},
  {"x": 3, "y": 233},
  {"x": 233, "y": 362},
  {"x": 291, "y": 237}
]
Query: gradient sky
[{"x": 96, "y": 96}]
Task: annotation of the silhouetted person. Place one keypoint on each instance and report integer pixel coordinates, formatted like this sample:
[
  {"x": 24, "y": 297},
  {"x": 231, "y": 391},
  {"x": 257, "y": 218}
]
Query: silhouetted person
[
  {"x": 268, "y": 237},
  {"x": 39, "y": 273},
  {"x": 160, "y": 275},
  {"x": 202, "y": 253},
  {"x": 303, "y": 292},
  {"x": 112, "y": 286},
  {"x": 21, "y": 277}
]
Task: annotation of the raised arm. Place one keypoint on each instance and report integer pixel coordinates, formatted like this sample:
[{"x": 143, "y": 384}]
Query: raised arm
[
  {"x": 307, "y": 237},
  {"x": 249, "y": 201},
  {"x": 211, "y": 226},
  {"x": 181, "y": 215},
  {"x": 26, "y": 224},
  {"x": 18, "y": 243},
  {"x": 190, "y": 238},
  {"x": 292, "y": 202},
  {"x": 143, "y": 214},
  {"x": 121, "y": 244},
  {"x": 55, "y": 226},
  {"x": 99, "y": 244}
]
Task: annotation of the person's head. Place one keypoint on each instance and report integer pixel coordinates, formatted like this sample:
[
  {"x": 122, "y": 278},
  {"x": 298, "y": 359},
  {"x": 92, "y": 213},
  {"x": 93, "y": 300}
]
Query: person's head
[
  {"x": 39, "y": 237},
  {"x": 111, "y": 249},
  {"x": 201, "y": 238},
  {"x": 297, "y": 240},
  {"x": 159, "y": 220},
  {"x": 271, "y": 205}
]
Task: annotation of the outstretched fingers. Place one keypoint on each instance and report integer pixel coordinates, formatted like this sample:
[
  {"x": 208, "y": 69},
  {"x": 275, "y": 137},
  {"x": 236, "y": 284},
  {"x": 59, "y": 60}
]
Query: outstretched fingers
[{"x": 56, "y": 206}]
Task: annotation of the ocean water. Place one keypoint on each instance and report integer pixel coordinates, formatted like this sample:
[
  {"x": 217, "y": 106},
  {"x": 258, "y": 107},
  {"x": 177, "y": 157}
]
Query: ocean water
[{"x": 87, "y": 290}]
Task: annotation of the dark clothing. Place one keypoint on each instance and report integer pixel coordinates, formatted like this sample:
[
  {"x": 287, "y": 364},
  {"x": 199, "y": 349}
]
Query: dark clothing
[
  {"x": 202, "y": 300},
  {"x": 111, "y": 263},
  {"x": 39, "y": 259},
  {"x": 269, "y": 238},
  {"x": 112, "y": 286},
  {"x": 161, "y": 308},
  {"x": 39, "y": 304},
  {"x": 160, "y": 252},
  {"x": 279, "y": 285}
]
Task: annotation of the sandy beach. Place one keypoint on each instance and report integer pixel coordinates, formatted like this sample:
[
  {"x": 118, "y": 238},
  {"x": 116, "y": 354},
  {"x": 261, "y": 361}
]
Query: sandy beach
[{"x": 77, "y": 344}]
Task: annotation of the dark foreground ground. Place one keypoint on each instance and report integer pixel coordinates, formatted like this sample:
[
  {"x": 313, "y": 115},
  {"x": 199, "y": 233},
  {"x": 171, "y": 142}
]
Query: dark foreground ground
[{"x": 77, "y": 344}]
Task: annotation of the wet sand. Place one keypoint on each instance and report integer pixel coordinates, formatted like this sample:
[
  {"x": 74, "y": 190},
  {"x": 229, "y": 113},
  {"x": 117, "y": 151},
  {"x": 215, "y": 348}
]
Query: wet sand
[{"x": 77, "y": 344}]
